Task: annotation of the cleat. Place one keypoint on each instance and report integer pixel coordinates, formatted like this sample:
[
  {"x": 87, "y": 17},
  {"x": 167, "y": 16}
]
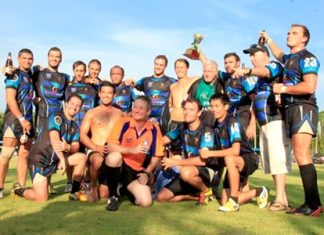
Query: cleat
[
  {"x": 112, "y": 203},
  {"x": 68, "y": 187},
  {"x": 230, "y": 206},
  {"x": 17, "y": 191},
  {"x": 262, "y": 199},
  {"x": 305, "y": 210},
  {"x": 205, "y": 198},
  {"x": 78, "y": 196}
]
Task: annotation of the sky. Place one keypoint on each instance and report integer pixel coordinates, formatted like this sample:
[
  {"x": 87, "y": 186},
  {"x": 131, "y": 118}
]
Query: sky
[{"x": 131, "y": 33}]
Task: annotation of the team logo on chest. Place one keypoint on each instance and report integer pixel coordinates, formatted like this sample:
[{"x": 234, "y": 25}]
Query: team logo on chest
[
  {"x": 26, "y": 79},
  {"x": 48, "y": 75},
  {"x": 58, "y": 120},
  {"x": 150, "y": 84}
]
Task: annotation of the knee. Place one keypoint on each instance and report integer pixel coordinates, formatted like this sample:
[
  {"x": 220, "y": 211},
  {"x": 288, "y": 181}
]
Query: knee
[
  {"x": 162, "y": 197},
  {"x": 6, "y": 154},
  {"x": 144, "y": 202},
  {"x": 186, "y": 174},
  {"x": 82, "y": 158},
  {"x": 96, "y": 161},
  {"x": 229, "y": 160},
  {"x": 114, "y": 159}
]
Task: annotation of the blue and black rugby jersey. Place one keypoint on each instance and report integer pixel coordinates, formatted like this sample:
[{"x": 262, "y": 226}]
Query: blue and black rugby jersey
[
  {"x": 42, "y": 153},
  {"x": 23, "y": 84},
  {"x": 95, "y": 86},
  {"x": 50, "y": 87},
  {"x": 192, "y": 141},
  {"x": 229, "y": 132},
  {"x": 295, "y": 67},
  {"x": 238, "y": 90},
  {"x": 88, "y": 95},
  {"x": 158, "y": 91},
  {"x": 264, "y": 101},
  {"x": 124, "y": 96}
]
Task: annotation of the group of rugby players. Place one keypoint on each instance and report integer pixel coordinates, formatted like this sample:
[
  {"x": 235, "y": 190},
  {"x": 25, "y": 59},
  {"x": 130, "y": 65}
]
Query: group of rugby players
[{"x": 162, "y": 138}]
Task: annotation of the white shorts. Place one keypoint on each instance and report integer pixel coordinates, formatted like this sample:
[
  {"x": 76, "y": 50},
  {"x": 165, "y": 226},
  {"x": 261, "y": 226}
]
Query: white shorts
[{"x": 275, "y": 148}]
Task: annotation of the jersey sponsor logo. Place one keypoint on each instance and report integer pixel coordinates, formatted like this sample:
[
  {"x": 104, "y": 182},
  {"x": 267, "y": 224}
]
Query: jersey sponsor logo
[
  {"x": 58, "y": 120},
  {"x": 26, "y": 79}
]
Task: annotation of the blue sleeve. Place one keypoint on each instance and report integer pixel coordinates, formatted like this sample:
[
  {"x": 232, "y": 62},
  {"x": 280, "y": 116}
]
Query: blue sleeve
[
  {"x": 13, "y": 83},
  {"x": 309, "y": 64},
  {"x": 223, "y": 76},
  {"x": 54, "y": 122},
  {"x": 140, "y": 84},
  {"x": 207, "y": 139},
  {"x": 173, "y": 134},
  {"x": 249, "y": 83},
  {"x": 234, "y": 132},
  {"x": 274, "y": 69}
]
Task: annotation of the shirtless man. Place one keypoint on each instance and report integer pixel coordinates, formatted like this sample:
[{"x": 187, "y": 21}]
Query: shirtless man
[
  {"x": 180, "y": 89},
  {"x": 99, "y": 122}
]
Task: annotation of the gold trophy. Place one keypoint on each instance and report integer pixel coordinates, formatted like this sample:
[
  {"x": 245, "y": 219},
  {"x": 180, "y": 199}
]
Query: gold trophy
[{"x": 192, "y": 52}]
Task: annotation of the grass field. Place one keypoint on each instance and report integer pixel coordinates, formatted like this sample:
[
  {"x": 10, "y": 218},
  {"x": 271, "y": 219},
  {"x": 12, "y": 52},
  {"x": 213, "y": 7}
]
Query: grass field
[{"x": 61, "y": 216}]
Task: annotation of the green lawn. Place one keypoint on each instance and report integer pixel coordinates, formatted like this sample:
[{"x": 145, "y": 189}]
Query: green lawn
[{"x": 60, "y": 216}]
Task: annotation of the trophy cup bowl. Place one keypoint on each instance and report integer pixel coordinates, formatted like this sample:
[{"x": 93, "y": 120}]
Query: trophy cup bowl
[{"x": 192, "y": 52}]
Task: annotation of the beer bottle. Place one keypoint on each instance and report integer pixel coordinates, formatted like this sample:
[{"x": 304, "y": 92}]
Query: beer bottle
[
  {"x": 261, "y": 40},
  {"x": 9, "y": 60},
  {"x": 9, "y": 63}
]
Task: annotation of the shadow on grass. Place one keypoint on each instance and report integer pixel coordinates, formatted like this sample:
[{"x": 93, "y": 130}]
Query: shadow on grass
[{"x": 60, "y": 216}]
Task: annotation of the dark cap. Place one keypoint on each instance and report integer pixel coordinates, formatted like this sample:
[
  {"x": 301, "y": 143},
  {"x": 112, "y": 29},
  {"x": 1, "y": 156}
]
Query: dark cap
[{"x": 255, "y": 47}]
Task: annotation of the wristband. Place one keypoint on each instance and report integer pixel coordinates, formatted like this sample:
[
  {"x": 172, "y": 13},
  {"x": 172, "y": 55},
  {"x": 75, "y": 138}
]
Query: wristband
[{"x": 22, "y": 118}]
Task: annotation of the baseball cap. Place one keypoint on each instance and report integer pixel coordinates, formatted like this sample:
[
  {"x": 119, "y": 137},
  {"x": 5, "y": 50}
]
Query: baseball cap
[{"x": 256, "y": 47}]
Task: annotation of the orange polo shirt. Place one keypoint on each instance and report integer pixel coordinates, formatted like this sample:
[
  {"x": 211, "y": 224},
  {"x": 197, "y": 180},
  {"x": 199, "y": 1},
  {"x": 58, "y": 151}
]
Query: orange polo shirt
[{"x": 125, "y": 134}]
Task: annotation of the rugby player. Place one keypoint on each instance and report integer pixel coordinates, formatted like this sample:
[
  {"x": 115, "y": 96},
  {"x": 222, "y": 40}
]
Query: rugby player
[
  {"x": 18, "y": 119},
  {"x": 94, "y": 132},
  {"x": 300, "y": 109},
  {"x": 55, "y": 147}
]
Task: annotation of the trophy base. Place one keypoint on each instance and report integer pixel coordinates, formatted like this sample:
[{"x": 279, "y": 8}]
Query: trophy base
[{"x": 192, "y": 54}]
